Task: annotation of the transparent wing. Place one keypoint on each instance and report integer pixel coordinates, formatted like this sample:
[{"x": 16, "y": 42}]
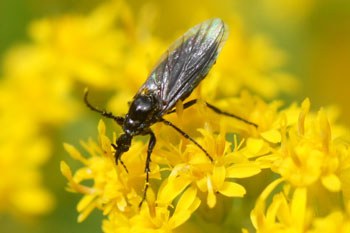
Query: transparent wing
[{"x": 188, "y": 60}]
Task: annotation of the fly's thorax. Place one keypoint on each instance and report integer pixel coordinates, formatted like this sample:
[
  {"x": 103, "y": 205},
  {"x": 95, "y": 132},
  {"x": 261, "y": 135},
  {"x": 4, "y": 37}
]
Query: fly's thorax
[{"x": 141, "y": 114}]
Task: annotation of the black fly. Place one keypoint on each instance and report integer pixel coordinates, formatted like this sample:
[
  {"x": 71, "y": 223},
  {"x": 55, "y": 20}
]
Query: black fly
[{"x": 181, "y": 68}]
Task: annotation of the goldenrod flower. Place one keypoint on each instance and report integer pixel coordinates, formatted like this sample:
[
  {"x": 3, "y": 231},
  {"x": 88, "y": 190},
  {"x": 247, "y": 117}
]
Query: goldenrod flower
[
  {"x": 282, "y": 215},
  {"x": 191, "y": 167},
  {"x": 114, "y": 189},
  {"x": 309, "y": 153},
  {"x": 314, "y": 165},
  {"x": 157, "y": 219}
]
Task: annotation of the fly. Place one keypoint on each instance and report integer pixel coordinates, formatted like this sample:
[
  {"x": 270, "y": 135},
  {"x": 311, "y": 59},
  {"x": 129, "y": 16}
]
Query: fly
[{"x": 179, "y": 70}]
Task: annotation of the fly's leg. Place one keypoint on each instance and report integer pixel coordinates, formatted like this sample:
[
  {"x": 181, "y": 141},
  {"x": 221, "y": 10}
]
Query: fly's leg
[
  {"x": 217, "y": 110},
  {"x": 123, "y": 144},
  {"x": 151, "y": 144},
  {"x": 117, "y": 119},
  {"x": 118, "y": 158},
  {"x": 187, "y": 136}
]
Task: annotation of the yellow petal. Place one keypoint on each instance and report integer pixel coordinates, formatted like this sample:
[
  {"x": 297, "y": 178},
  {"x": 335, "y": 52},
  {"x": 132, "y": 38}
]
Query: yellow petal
[
  {"x": 273, "y": 209},
  {"x": 178, "y": 219},
  {"x": 218, "y": 177},
  {"x": 121, "y": 203},
  {"x": 65, "y": 170},
  {"x": 172, "y": 189},
  {"x": 74, "y": 153},
  {"x": 284, "y": 214},
  {"x": 257, "y": 214},
  {"x": 242, "y": 170},
  {"x": 101, "y": 128},
  {"x": 177, "y": 170},
  {"x": 187, "y": 199},
  {"x": 86, "y": 212},
  {"x": 74, "y": 187},
  {"x": 84, "y": 202},
  {"x": 298, "y": 207},
  {"x": 211, "y": 199},
  {"x": 231, "y": 189},
  {"x": 305, "y": 107},
  {"x": 272, "y": 135},
  {"x": 202, "y": 184},
  {"x": 331, "y": 182},
  {"x": 254, "y": 145}
]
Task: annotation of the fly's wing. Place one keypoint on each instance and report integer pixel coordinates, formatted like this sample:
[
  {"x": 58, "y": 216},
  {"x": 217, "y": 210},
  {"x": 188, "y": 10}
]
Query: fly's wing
[{"x": 181, "y": 68}]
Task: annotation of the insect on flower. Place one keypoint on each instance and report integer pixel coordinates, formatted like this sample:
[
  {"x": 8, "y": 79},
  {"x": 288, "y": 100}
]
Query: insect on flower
[{"x": 180, "y": 69}]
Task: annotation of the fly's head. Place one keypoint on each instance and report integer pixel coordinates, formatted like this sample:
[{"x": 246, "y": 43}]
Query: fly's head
[
  {"x": 123, "y": 143},
  {"x": 140, "y": 115}
]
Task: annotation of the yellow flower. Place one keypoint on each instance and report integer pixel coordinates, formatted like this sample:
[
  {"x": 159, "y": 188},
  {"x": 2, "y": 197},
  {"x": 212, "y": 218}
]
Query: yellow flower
[
  {"x": 283, "y": 214},
  {"x": 309, "y": 153},
  {"x": 192, "y": 167},
  {"x": 293, "y": 211},
  {"x": 160, "y": 219},
  {"x": 113, "y": 189},
  {"x": 314, "y": 166}
]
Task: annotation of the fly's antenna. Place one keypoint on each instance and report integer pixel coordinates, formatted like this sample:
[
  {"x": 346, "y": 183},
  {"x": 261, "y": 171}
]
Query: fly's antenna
[{"x": 117, "y": 119}]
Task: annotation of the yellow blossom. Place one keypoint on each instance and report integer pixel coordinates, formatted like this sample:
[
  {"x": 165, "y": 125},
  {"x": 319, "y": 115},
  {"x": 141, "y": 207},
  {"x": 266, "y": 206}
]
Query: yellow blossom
[
  {"x": 158, "y": 220},
  {"x": 113, "y": 189},
  {"x": 314, "y": 166},
  {"x": 282, "y": 215},
  {"x": 192, "y": 167},
  {"x": 292, "y": 211},
  {"x": 310, "y": 153}
]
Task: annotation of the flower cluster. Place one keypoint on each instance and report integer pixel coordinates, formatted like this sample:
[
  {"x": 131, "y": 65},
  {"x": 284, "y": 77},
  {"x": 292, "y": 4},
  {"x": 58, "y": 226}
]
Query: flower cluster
[
  {"x": 297, "y": 145},
  {"x": 314, "y": 165}
]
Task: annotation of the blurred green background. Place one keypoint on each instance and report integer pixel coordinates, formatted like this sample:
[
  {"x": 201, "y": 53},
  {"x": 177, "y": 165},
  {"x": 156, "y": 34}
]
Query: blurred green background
[{"x": 315, "y": 35}]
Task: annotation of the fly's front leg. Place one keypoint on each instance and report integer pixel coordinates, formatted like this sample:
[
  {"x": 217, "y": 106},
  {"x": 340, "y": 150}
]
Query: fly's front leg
[
  {"x": 117, "y": 157},
  {"x": 151, "y": 144},
  {"x": 123, "y": 145}
]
